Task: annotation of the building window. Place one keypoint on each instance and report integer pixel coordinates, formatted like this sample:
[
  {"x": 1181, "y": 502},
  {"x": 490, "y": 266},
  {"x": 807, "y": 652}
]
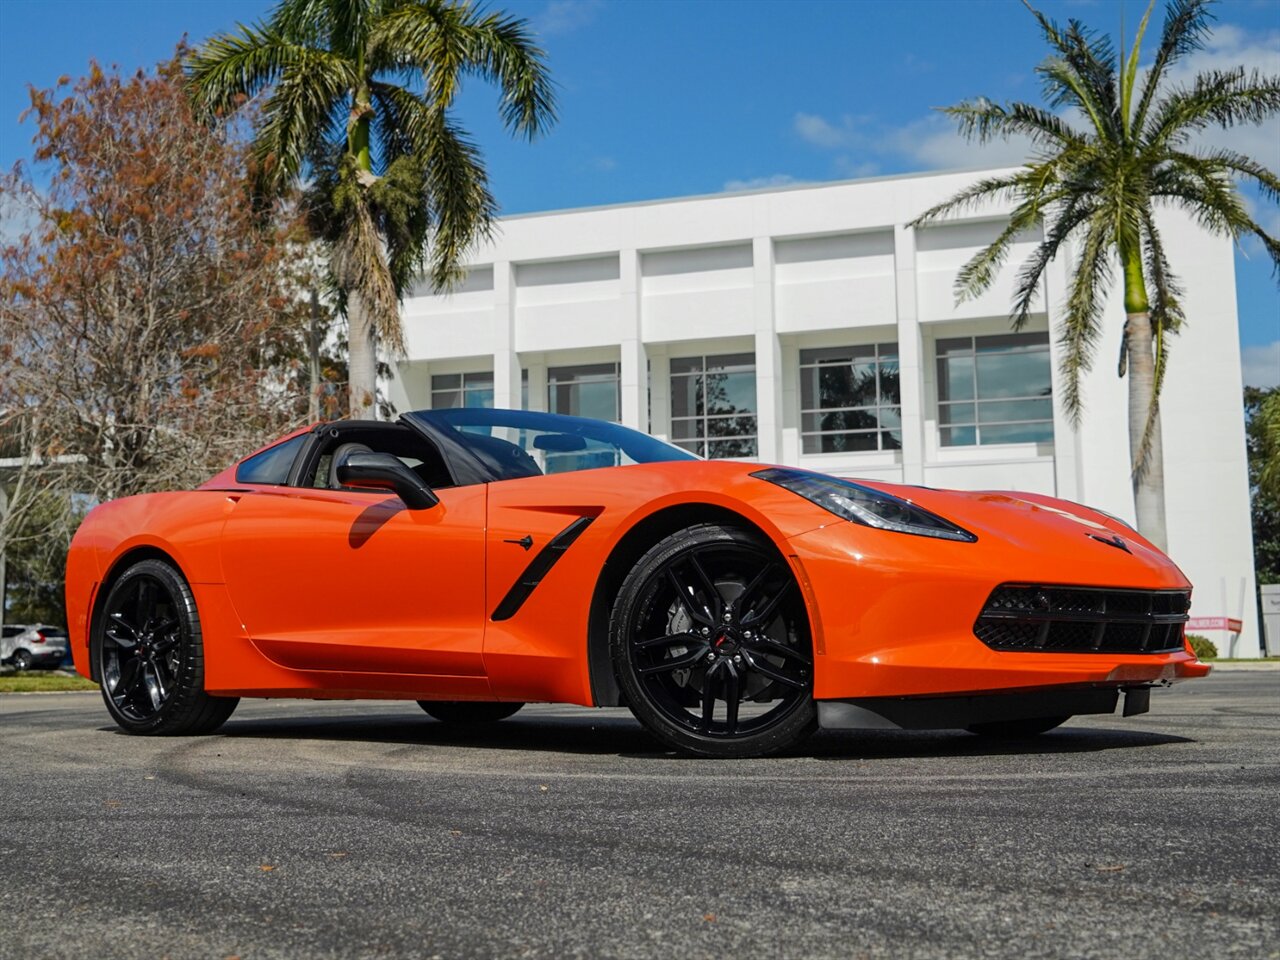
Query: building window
[
  {"x": 850, "y": 399},
  {"x": 713, "y": 405},
  {"x": 450, "y": 390},
  {"x": 586, "y": 390},
  {"x": 994, "y": 389}
]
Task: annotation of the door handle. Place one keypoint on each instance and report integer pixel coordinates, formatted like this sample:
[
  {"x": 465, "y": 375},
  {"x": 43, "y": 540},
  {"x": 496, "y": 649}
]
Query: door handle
[{"x": 526, "y": 541}]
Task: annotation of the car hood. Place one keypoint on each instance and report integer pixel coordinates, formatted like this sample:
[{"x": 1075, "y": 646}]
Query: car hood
[{"x": 1035, "y": 524}]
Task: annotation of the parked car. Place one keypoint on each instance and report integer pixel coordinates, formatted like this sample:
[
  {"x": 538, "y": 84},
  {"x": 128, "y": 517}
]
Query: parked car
[
  {"x": 475, "y": 560},
  {"x": 37, "y": 646}
]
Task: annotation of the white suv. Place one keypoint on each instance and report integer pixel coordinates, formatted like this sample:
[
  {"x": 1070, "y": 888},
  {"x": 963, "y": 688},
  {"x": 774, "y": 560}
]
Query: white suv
[{"x": 35, "y": 645}]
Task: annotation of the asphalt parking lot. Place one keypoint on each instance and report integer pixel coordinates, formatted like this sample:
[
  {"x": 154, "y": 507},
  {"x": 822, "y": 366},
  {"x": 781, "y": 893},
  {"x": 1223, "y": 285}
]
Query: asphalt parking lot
[{"x": 367, "y": 829}]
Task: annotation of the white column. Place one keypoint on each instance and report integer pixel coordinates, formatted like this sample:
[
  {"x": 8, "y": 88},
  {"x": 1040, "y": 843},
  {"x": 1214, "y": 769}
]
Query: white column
[
  {"x": 910, "y": 355},
  {"x": 536, "y": 364},
  {"x": 1066, "y": 440},
  {"x": 790, "y": 451},
  {"x": 634, "y": 372},
  {"x": 660, "y": 370},
  {"x": 768, "y": 353},
  {"x": 506, "y": 362}
]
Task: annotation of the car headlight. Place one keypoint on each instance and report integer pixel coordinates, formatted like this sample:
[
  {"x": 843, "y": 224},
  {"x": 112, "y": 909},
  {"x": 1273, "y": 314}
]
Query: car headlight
[{"x": 872, "y": 508}]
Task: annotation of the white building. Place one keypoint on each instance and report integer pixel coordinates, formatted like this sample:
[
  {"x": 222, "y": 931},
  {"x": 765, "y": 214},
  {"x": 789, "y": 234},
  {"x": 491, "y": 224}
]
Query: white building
[{"x": 810, "y": 326}]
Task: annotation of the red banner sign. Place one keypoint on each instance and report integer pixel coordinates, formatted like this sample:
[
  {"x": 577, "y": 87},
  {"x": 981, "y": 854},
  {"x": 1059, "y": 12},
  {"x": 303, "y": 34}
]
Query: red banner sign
[{"x": 1230, "y": 624}]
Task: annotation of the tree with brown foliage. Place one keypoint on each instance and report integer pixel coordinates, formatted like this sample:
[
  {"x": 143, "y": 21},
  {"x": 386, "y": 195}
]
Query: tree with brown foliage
[{"x": 152, "y": 322}]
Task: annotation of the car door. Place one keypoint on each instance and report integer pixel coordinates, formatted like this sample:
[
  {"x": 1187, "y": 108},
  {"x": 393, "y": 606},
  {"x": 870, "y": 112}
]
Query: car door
[{"x": 349, "y": 581}]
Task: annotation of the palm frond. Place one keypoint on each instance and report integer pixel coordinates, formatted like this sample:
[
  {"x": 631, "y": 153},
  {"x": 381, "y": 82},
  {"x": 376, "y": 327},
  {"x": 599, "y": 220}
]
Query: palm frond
[
  {"x": 233, "y": 66},
  {"x": 989, "y": 190},
  {"x": 1083, "y": 74},
  {"x": 1129, "y": 70},
  {"x": 399, "y": 123},
  {"x": 1076, "y": 210},
  {"x": 1186, "y": 25},
  {"x": 984, "y": 121},
  {"x": 1222, "y": 98},
  {"x": 300, "y": 109},
  {"x": 1082, "y": 323},
  {"x": 446, "y": 42},
  {"x": 462, "y": 206},
  {"x": 976, "y": 276}
]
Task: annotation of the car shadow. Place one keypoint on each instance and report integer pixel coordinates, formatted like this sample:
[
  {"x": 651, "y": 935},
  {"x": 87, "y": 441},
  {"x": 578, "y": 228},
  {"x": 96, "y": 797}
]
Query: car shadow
[{"x": 615, "y": 734}]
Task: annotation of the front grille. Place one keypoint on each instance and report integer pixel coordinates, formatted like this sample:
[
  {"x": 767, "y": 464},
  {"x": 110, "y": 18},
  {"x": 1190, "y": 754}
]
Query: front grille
[{"x": 1025, "y": 617}]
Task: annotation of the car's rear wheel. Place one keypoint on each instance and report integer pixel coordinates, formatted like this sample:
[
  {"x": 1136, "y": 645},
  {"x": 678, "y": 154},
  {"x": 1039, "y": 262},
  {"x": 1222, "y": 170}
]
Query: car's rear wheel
[
  {"x": 1017, "y": 729},
  {"x": 711, "y": 645},
  {"x": 22, "y": 660},
  {"x": 469, "y": 711},
  {"x": 152, "y": 655}
]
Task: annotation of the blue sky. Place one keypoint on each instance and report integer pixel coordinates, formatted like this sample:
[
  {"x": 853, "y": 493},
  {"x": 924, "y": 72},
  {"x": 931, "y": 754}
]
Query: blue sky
[{"x": 664, "y": 98}]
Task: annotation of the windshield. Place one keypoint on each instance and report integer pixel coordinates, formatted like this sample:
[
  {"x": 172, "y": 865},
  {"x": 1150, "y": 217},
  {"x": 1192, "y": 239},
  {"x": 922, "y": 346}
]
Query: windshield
[{"x": 522, "y": 443}]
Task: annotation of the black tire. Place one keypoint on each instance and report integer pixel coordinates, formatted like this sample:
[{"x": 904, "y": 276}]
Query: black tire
[
  {"x": 467, "y": 712},
  {"x": 713, "y": 615},
  {"x": 151, "y": 652},
  {"x": 21, "y": 660},
  {"x": 1016, "y": 729}
]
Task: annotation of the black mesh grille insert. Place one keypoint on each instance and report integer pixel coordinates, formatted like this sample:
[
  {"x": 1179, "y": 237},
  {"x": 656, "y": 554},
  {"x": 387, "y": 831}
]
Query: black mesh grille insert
[{"x": 1083, "y": 619}]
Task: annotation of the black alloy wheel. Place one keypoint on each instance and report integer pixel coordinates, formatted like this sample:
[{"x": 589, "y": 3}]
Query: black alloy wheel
[
  {"x": 1016, "y": 729},
  {"x": 711, "y": 645},
  {"x": 152, "y": 655},
  {"x": 22, "y": 660},
  {"x": 469, "y": 711}
]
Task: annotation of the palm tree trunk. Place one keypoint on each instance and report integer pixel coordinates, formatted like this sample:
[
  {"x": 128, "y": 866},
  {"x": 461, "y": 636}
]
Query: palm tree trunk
[
  {"x": 362, "y": 346},
  {"x": 1146, "y": 465},
  {"x": 362, "y": 359}
]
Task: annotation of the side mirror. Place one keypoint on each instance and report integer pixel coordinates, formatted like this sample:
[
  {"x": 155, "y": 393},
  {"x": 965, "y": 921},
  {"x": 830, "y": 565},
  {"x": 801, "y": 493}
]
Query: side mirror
[{"x": 382, "y": 471}]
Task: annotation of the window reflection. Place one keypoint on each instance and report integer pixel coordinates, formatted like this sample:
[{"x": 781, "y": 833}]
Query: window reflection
[
  {"x": 713, "y": 405},
  {"x": 994, "y": 389},
  {"x": 850, "y": 399}
]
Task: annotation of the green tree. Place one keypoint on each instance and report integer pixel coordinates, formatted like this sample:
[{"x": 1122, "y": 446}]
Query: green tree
[
  {"x": 357, "y": 96},
  {"x": 1262, "y": 433},
  {"x": 1109, "y": 148}
]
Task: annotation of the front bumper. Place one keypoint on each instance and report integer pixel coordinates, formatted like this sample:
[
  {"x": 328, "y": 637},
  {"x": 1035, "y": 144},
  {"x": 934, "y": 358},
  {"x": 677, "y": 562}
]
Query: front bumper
[{"x": 893, "y": 616}]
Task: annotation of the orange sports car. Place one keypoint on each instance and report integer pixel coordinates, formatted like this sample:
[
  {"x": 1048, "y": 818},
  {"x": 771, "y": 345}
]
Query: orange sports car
[{"x": 476, "y": 560}]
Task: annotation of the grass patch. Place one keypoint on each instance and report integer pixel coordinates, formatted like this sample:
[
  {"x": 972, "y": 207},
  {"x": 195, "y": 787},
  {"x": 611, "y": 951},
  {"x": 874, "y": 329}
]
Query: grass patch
[{"x": 38, "y": 682}]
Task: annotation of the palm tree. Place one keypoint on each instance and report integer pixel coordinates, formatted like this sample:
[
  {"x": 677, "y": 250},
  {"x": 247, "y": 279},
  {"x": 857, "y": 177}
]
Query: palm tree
[
  {"x": 357, "y": 97},
  {"x": 1109, "y": 149}
]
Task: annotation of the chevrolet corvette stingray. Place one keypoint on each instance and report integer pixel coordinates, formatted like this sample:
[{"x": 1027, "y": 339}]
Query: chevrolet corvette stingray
[{"x": 476, "y": 560}]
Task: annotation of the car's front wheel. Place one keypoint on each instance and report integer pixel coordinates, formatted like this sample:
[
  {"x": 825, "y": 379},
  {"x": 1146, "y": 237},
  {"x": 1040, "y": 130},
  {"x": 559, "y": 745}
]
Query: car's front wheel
[
  {"x": 152, "y": 655},
  {"x": 711, "y": 645}
]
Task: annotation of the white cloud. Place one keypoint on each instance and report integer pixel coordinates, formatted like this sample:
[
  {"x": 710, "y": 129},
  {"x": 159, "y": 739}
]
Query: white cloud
[
  {"x": 931, "y": 142},
  {"x": 760, "y": 183},
  {"x": 565, "y": 16},
  {"x": 1229, "y": 47},
  {"x": 1261, "y": 365},
  {"x": 819, "y": 132},
  {"x": 854, "y": 168}
]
